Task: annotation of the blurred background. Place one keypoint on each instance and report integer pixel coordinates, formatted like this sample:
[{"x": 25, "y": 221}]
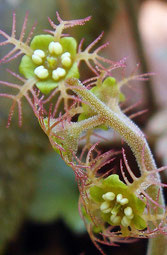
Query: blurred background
[{"x": 38, "y": 194}]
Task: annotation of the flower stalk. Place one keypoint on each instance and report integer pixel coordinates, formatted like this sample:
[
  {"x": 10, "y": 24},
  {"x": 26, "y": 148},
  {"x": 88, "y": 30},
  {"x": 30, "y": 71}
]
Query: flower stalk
[
  {"x": 135, "y": 139},
  {"x": 51, "y": 70}
]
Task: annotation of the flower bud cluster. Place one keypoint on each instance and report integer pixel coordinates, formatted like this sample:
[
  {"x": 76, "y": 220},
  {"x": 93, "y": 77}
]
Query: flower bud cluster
[
  {"x": 55, "y": 62},
  {"x": 117, "y": 206}
]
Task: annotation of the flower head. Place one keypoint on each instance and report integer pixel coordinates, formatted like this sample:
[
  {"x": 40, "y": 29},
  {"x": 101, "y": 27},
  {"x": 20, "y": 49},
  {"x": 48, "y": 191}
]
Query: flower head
[
  {"x": 51, "y": 62},
  {"x": 117, "y": 205}
]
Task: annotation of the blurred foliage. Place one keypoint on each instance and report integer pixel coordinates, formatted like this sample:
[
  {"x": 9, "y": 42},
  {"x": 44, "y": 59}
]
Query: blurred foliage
[
  {"x": 33, "y": 182},
  {"x": 19, "y": 157},
  {"x": 102, "y": 12},
  {"x": 73, "y": 9},
  {"x": 23, "y": 149},
  {"x": 29, "y": 173},
  {"x": 56, "y": 194},
  {"x": 27, "y": 176},
  {"x": 157, "y": 127}
]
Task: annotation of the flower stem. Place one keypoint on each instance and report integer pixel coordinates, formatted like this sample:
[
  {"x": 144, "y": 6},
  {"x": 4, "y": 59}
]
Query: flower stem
[
  {"x": 157, "y": 246},
  {"x": 137, "y": 142}
]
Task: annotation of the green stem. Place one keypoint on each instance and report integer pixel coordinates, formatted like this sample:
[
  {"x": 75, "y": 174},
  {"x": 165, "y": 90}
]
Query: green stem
[
  {"x": 132, "y": 135},
  {"x": 73, "y": 132},
  {"x": 157, "y": 246},
  {"x": 120, "y": 123},
  {"x": 90, "y": 123}
]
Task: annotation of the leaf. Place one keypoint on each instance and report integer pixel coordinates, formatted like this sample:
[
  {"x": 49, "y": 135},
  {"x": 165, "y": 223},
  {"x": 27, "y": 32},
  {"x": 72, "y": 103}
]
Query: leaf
[
  {"x": 109, "y": 82},
  {"x": 73, "y": 72},
  {"x": 113, "y": 181},
  {"x": 46, "y": 86},
  {"x": 111, "y": 88},
  {"x": 121, "y": 97},
  {"x": 139, "y": 205},
  {"x": 96, "y": 193},
  {"x": 56, "y": 195},
  {"x": 27, "y": 67},
  {"x": 69, "y": 44},
  {"x": 41, "y": 42},
  {"x": 139, "y": 222}
]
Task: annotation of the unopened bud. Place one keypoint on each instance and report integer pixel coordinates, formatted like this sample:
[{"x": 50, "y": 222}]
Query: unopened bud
[
  {"x": 125, "y": 221},
  {"x": 124, "y": 201},
  {"x": 55, "y": 47},
  {"x": 41, "y": 72},
  {"x": 66, "y": 62},
  {"x": 104, "y": 206},
  {"x": 109, "y": 196},
  {"x": 115, "y": 219},
  {"x": 40, "y": 53}
]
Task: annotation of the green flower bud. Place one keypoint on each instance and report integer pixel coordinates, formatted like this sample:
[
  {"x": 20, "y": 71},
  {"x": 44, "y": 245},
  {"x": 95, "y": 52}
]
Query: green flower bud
[
  {"x": 57, "y": 59},
  {"x": 118, "y": 206}
]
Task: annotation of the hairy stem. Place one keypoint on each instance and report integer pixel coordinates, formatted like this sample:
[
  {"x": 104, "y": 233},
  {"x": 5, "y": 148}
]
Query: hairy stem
[
  {"x": 157, "y": 246},
  {"x": 120, "y": 123},
  {"x": 83, "y": 125},
  {"x": 24, "y": 48},
  {"x": 133, "y": 137}
]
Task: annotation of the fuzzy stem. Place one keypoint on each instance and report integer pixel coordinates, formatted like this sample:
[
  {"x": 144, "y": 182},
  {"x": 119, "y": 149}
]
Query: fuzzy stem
[
  {"x": 24, "y": 48},
  {"x": 92, "y": 122},
  {"x": 120, "y": 123},
  {"x": 133, "y": 137},
  {"x": 157, "y": 246}
]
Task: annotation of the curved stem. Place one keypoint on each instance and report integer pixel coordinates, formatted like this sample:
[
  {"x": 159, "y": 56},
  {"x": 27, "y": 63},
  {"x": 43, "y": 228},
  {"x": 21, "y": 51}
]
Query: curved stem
[
  {"x": 157, "y": 246},
  {"x": 120, "y": 123},
  {"x": 134, "y": 138}
]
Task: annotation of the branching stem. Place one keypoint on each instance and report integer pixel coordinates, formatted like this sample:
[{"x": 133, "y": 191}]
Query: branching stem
[
  {"x": 24, "y": 48},
  {"x": 132, "y": 136}
]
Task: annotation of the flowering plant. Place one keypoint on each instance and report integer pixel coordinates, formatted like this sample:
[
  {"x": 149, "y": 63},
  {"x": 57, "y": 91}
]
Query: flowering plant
[{"x": 115, "y": 207}]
